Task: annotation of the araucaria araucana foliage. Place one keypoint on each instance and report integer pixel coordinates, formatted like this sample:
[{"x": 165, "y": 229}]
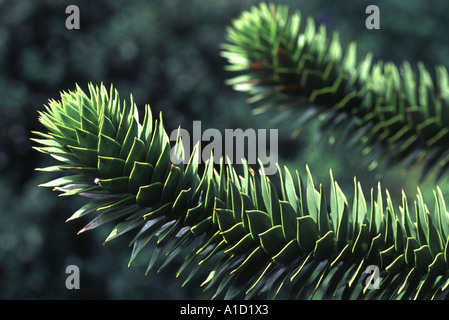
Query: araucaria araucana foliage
[{"x": 251, "y": 238}]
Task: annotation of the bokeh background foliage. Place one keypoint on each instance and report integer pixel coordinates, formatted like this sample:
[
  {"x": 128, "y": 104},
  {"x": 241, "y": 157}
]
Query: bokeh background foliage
[{"x": 166, "y": 53}]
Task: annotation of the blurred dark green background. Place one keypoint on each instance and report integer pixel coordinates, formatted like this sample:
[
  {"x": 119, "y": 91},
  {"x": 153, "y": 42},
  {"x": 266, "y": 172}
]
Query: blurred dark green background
[{"x": 167, "y": 53}]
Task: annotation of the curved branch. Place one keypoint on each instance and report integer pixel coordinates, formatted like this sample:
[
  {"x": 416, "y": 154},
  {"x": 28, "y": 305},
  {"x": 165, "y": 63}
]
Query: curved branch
[
  {"x": 252, "y": 238},
  {"x": 298, "y": 68}
]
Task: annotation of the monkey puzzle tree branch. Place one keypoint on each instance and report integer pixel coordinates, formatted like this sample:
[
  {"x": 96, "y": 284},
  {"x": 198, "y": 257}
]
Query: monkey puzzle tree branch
[
  {"x": 292, "y": 65},
  {"x": 251, "y": 238}
]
